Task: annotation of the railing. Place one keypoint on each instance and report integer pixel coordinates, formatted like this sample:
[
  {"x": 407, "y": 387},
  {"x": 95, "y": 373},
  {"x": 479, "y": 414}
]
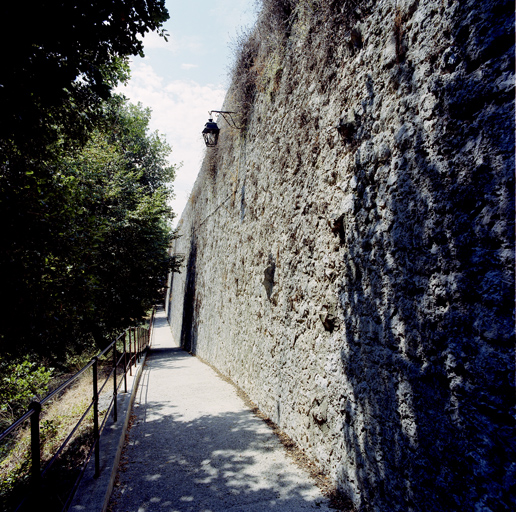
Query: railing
[{"x": 133, "y": 342}]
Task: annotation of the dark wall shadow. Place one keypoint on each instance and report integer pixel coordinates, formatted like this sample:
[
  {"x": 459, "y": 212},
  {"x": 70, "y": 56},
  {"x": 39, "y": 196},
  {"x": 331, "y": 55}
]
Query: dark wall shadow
[
  {"x": 428, "y": 303},
  {"x": 189, "y": 324}
]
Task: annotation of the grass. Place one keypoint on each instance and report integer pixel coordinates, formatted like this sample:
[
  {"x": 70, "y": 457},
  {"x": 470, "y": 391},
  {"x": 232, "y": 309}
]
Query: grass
[{"x": 57, "y": 421}]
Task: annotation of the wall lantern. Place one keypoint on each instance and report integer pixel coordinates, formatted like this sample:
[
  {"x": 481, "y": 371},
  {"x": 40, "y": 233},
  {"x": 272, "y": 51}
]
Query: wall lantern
[
  {"x": 211, "y": 130},
  {"x": 211, "y": 133}
]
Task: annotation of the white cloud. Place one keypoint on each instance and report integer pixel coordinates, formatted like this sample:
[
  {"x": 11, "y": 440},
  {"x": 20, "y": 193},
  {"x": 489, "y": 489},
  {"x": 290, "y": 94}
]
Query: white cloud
[
  {"x": 179, "y": 111},
  {"x": 163, "y": 81},
  {"x": 152, "y": 41},
  {"x": 174, "y": 44},
  {"x": 234, "y": 13}
]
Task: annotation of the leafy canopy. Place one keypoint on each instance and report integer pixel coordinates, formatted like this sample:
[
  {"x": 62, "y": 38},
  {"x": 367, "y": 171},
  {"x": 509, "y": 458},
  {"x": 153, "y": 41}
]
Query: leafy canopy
[
  {"x": 88, "y": 251},
  {"x": 63, "y": 58},
  {"x": 20, "y": 382},
  {"x": 83, "y": 184}
]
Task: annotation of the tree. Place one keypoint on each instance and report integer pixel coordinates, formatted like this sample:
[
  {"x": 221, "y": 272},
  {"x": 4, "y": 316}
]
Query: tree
[
  {"x": 62, "y": 65},
  {"x": 64, "y": 58},
  {"x": 97, "y": 256},
  {"x": 125, "y": 189}
]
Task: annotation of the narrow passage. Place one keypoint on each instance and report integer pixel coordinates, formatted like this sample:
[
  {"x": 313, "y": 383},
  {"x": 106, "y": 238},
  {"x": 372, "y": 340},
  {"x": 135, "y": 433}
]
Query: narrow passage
[{"x": 195, "y": 446}]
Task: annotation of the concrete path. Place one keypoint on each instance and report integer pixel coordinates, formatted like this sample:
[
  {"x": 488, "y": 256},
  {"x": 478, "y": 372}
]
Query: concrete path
[{"x": 195, "y": 446}]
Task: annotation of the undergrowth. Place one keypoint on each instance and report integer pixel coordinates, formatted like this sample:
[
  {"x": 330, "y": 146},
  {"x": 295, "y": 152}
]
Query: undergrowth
[
  {"x": 20, "y": 382},
  {"x": 58, "y": 419}
]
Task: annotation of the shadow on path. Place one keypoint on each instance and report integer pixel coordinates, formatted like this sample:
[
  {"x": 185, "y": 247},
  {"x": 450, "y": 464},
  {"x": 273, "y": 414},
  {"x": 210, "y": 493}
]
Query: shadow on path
[{"x": 195, "y": 446}]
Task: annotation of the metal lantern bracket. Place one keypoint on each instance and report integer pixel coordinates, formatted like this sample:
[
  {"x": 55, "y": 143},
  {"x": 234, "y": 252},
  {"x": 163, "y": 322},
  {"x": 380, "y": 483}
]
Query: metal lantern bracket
[{"x": 227, "y": 117}]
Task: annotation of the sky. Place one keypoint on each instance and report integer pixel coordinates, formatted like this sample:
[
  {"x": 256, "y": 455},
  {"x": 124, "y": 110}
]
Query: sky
[{"x": 184, "y": 78}]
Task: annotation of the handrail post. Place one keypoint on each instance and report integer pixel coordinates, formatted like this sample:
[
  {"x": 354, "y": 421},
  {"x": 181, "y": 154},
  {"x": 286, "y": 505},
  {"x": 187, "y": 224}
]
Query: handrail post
[
  {"x": 96, "y": 439},
  {"x": 35, "y": 445},
  {"x": 130, "y": 354},
  {"x": 139, "y": 344},
  {"x": 150, "y": 326},
  {"x": 133, "y": 355},
  {"x": 138, "y": 337},
  {"x": 115, "y": 408},
  {"x": 134, "y": 347},
  {"x": 125, "y": 367}
]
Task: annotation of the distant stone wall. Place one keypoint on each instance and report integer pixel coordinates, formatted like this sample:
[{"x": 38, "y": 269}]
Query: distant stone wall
[{"x": 349, "y": 258}]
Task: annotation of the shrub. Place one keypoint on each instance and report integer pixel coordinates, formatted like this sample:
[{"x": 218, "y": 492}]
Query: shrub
[
  {"x": 258, "y": 51},
  {"x": 21, "y": 381}
]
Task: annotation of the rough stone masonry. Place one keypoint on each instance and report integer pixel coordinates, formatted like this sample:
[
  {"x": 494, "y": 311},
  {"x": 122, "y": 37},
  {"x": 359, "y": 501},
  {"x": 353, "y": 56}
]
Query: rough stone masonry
[{"x": 349, "y": 254}]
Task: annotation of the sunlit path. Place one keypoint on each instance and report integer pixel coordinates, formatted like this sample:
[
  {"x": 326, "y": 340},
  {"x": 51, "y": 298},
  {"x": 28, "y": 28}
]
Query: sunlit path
[{"x": 195, "y": 446}]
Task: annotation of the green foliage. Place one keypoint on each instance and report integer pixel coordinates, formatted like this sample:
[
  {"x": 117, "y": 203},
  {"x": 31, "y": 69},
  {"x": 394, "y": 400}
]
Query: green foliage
[
  {"x": 16, "y": 479},
  {"x": 83, "y": 198},
  {"x": 121, "y": 181},
  {"x": 87, "y": 237},
  {"x": 83, "y": 185},
  {"x": 20, "y": 382},
  {"x": 64, "y": 58},
  {"x": 57, "y": 420}
]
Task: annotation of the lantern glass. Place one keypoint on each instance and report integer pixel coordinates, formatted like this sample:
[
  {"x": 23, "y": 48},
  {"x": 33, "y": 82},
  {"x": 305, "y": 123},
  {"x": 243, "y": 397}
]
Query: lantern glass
[{"x": 211, "y": 133}]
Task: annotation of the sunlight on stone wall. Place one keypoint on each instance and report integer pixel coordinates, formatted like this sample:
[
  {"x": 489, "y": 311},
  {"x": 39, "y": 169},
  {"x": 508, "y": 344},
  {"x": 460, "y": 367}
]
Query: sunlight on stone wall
[{"x": 350, "y": 256}]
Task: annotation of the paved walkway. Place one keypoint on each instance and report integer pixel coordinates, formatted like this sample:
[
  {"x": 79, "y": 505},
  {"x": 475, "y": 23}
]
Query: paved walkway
[{"x": 195, "y": 446}]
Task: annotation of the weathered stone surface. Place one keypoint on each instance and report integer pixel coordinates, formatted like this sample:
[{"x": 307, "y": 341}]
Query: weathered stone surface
[{"x": 350, "y": 258}]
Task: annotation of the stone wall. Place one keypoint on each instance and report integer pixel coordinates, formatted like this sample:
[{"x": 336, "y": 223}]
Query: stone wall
[{"x": 349, "y": 256}]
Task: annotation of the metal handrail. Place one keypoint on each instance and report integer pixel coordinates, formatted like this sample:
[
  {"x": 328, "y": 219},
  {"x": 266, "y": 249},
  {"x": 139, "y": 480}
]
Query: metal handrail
[
  {"x": 65, "y": 442},
  {"x": 16, "y": 424},
  {"x": 66, "y": 384},
  {"x": 141, "y": 340}
]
